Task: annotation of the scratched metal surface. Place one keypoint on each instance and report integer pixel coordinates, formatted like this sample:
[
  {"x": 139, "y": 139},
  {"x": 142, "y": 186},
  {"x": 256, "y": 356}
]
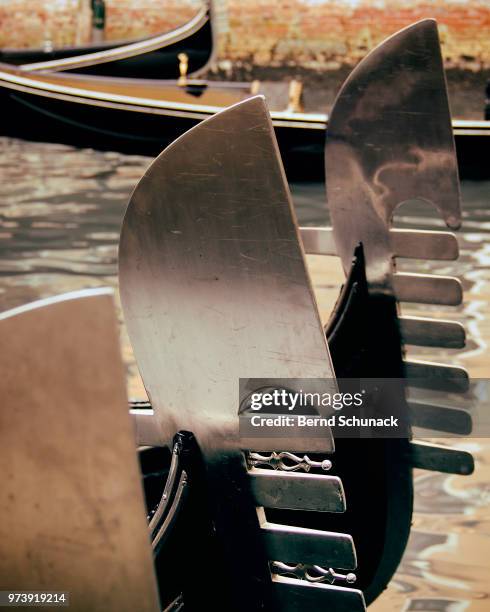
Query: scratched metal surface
[
  {"x": 381, "y": 149},
  {"x": 64, "y": 525},
  {"x": 60, "y": 215},
  {"x": 203, "y": 260}
]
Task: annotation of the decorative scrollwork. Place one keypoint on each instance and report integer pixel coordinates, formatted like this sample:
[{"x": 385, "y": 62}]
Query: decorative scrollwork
[
  {"x": 312, "y": 573},
  {"x": 287, "y": 462}
]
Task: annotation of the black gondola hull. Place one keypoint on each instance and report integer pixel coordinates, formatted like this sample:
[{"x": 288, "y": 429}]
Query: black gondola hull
[{"x": 146, "y": 130}]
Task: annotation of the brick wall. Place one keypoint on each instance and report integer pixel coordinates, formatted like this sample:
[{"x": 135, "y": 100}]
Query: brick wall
[
  {"x": 329, "y": 33},
  {"x": 30, "y": 23},
  {"x": 322, "y": 34},
  {"x": 134, "y": 18}
]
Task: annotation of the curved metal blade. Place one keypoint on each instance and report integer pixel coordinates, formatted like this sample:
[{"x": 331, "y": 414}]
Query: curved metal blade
[
  {"x": 72, "y": 496},
  {"x": 390, "y": 140},
  {"x": 213, "y": 280}
]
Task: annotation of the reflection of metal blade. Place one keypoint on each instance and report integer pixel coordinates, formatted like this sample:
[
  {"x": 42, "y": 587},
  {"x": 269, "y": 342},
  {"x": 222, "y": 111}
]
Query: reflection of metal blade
[
  {"x": 390, "y": 140},
  {"x": 213, "y": 282},
  {"x": 71, "y": 484}
]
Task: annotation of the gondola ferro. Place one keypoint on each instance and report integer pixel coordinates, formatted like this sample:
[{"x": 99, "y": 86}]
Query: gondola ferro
[{"x": 359, "y": 347}]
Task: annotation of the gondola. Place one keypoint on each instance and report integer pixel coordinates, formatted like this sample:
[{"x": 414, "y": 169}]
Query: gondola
[
  {"x": 143, "y": 116},
  {"x": 156, "y": 57},
  {"x": 139, "y": 116}
]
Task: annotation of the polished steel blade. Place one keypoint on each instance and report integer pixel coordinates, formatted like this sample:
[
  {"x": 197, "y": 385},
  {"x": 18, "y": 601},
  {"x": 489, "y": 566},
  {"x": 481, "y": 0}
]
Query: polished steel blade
[
  {"x": 214, "y": 288},
  {"x": 72, "y": 516},
  {"x": 310, "y": 546},
  {"x": 298, "y": 596},
  {"x": 436, "y": 376},
  {"x": 429, "y": 456},
  {"x": 318, "y": 241},
  {"x": 213, "y": 281},
  {"x": 421, "y": 331},
  {"x": 295, "y": 491},
  {"x": 145, "y": 427},
  {"x": 427, "y": 289},
  {"x": 424, "y": 244},
  {"x": 411, "y": 244},
  {"x": 389, "y": 140},
  {"x": 440, "y": 418}
]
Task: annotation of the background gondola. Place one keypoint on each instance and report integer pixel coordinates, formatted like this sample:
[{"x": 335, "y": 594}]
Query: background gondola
[{"x": 153, "y": 57}]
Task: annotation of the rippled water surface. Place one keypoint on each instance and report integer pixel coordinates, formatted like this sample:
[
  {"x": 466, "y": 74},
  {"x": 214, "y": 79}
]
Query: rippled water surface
[{"x": 60, "y": 215}]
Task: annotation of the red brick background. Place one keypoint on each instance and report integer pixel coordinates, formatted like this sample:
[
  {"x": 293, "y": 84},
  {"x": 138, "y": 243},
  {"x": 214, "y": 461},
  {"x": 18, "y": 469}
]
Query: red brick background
[
  {"x": 317, "y": 34},
  {"x": 28, "y": 23},
  {"x": 328, "y": 33}
]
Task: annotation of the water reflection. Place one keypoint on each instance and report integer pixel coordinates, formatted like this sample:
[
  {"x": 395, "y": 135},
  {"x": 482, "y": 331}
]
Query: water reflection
[{"x": 60, "y": 214}]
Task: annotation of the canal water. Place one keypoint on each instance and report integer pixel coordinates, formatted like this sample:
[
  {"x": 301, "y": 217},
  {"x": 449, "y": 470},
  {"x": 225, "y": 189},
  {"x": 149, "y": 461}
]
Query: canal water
[{"x": 60, "y": 216}]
